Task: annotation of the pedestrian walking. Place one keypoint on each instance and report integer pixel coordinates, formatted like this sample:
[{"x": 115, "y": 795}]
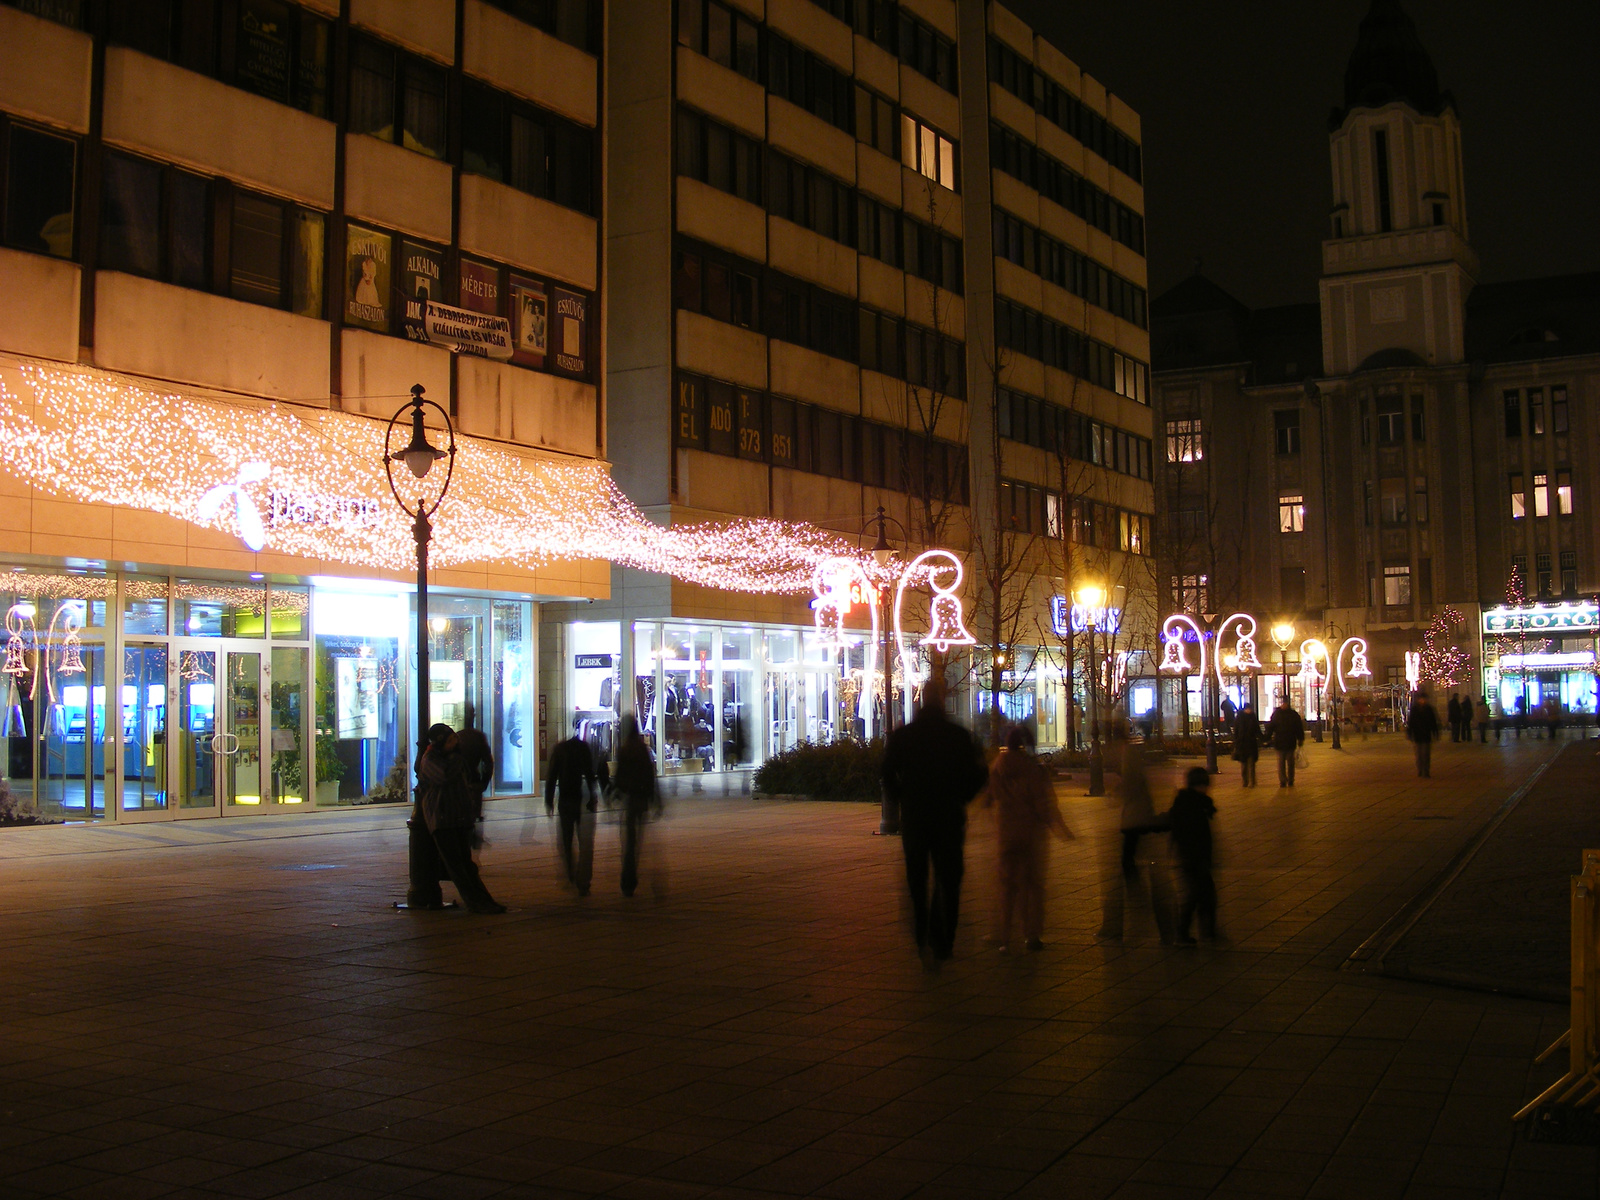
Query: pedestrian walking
[
  {"x": 1190, "y": 820},
  {"x": 1453, "y": 715},
  {"x": 571, "y": 787},
  {"x": 932, "y": 768},
  {"x": 1499, "y": 710},
  {"x": 635, "y": 785},
  {"x": 1482, "y": 711},
  {"x": 1466, "y": 719},
  {"x": 1247, "y": 743},
  {"x": 1553, "y": 715},
  {"x": 1026, "y": 814},
  {"x": 1422, "y": 727},
  {"x": 452, "y": 773},
  {"x": 1230, "y": 713},
  {"x": 1287, "y": 733},
  {"x": 1520, "y": 719},
  {"x": 1138, "y": 818}
]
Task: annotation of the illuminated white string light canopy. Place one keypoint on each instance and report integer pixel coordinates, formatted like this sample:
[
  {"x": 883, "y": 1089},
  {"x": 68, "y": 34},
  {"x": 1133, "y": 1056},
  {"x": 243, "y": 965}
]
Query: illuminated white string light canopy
[{"x": 79, "y": 433}]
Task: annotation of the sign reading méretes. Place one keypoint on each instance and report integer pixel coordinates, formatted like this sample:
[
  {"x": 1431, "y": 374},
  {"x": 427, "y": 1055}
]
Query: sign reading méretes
[
  {"x": 1543, "y": 618},
  {"x": 467, "y": 332}
]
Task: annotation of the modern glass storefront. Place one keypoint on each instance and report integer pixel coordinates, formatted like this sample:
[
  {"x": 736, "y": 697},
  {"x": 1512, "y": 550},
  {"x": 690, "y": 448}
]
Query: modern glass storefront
[
  {"x": 141, "y": 696},
  {"x": 1542, "y": 655}
]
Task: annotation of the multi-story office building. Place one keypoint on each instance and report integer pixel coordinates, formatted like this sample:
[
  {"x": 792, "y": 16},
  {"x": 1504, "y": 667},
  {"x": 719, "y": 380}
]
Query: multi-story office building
[
  {"x": 862, "y": 254},
  {"x": 1399, "y": 448},
  {"x": 223, "y": 221}
]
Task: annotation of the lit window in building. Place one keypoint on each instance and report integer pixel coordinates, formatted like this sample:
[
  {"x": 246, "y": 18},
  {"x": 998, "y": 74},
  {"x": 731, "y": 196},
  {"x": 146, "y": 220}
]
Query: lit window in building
[
  {"x": 1397, "y": 585},
  {"x": 1519, "y": 504},
  {"x": 927, "y": 151},
  {"x": 1185, "y": 441},
  {"x": 1191, "y": 593},
  {"x": 1536, "y": 410},
  {"x": 1564, "y": 493},
  {"x": 1541, "y": 495},
  {"x": 1291, "y": 513}
]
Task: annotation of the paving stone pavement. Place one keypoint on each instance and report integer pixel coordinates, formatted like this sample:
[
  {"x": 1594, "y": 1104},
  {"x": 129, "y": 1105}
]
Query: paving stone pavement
[{"x": 230, "y": 1008}]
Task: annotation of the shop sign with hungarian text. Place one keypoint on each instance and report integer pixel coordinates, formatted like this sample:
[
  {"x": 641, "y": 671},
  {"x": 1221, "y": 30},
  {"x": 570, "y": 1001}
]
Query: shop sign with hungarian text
[
  {"x": 467, "y": 332},
  {"x": 1582, "y": 615}
]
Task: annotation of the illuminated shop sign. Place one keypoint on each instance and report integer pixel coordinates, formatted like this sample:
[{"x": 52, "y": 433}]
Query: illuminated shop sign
[
  {"x": 1583, "y": 615},
  {"x": 1580, "y": 660},
  {"x": 1105, "y": 619}
]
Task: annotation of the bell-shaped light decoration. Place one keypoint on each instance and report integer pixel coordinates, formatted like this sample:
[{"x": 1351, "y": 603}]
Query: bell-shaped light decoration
[
  {"x": 830, "y": 585},
  {"x": 1246, "y": 653},
  {"x": 16, "y": 656},
  {"x": 71, "y": 656},
  {"x": 945, "y": 625},
  {"x": 1358, "y": 662},
  {"x": 1174, "y": 658}
]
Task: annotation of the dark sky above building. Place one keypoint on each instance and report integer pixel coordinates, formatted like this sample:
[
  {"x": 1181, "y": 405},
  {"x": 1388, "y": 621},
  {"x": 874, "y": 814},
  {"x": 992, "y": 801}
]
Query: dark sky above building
[{"x": 1235, "y": 100}]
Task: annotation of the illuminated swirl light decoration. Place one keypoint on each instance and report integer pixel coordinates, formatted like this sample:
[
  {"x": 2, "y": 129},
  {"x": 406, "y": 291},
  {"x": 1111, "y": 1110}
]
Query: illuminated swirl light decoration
[
  {"x": 81, "y": 434},
  {"x": 1174, "y": 658},
  {"x": 1310, "y": 650},
  {"x": 1244, "y": 655},
  {"x": 1358, "y": 660},
  {"x": 942, "y": 572}
]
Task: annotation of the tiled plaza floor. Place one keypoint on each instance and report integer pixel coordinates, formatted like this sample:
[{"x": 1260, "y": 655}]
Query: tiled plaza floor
[{"x": 230, "y": 1008}]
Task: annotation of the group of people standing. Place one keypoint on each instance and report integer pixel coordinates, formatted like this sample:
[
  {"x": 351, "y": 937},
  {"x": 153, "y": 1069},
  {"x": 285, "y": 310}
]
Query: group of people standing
[{"x": 1284, "y": 731}]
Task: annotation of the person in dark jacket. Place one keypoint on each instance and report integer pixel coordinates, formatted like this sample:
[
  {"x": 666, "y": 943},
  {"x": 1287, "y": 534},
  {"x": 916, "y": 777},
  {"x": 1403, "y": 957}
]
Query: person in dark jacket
[
  {"x": 452, "y": 773},
  {"x": 1287, "y": 733},
  {"x": 570, "y": 777},
  {"x": 1453, "y": 715},
  {"x": 635, "y": 786},
  {"x": 1190, "y": 819},
  {"x": 1422, "y": 727},
  {"x": 932, "y": 768},
  {"x": 1247, "y": 743}
]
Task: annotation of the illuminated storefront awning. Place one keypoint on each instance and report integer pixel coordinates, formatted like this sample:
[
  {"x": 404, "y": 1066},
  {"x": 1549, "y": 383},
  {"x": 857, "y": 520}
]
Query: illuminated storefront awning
[{"x": 310, "y": 482}]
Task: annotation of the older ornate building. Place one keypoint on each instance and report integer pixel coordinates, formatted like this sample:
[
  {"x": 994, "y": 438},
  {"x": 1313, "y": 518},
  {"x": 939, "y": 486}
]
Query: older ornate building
[{"x": 1400, "y": 447}]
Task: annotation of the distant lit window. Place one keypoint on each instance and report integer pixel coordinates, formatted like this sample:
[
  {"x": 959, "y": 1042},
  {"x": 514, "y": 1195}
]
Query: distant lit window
[
  {"x": 1291, "y": 513},
  {"x": 1185, "y": 441},
  {"x": 1397, "y": 585}
]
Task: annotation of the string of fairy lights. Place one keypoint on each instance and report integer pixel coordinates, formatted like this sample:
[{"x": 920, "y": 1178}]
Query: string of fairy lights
[{"x": 99, "y": 439}]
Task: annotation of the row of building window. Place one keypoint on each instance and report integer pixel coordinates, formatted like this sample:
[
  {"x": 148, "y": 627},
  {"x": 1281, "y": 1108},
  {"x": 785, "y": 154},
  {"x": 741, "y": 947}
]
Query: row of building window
[
  {"x": 1031, "y": 333},
  {"x": 742, "y": 293},
  {"x": 1053, "y": 179},
  {"x": 1062, "y": 109},
  {"x": 266, "y": 30},
  {"x": 1026, "y": 508},
  {"x": 913, "y": 42},
  {"x": 1535, "y": 422},
  {"x": 751, "y": 424},
  {"x": 1035, "y": 422},
  {"x": 1049, "y": 258},
  {"x": 1542, "y": 577},
  {"x": 1390, "y": 410},
  {"x": 733, "y": 163},
  {"x": 1541, "y": 495},
  {"x": 1392, "y": 494}
]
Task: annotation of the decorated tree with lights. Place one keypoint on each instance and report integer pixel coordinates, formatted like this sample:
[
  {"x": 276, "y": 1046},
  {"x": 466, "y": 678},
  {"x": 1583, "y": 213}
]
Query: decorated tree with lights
[
  {"x": 1517, "y": 598},
  {"x": 1443, "y": 660}
]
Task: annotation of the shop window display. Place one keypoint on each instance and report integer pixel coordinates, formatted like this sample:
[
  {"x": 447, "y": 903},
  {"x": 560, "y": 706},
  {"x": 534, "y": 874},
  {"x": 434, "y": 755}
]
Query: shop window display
[
  {"x": 594, "y": 689},
  {"x": 361, "y": 742}
]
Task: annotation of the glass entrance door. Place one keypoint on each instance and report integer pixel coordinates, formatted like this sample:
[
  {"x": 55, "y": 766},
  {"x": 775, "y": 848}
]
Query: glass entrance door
[
  {"x": 237, "y": 744},
  {"x": 196, "y": 742},
  {"x": 144, "y": 729}
]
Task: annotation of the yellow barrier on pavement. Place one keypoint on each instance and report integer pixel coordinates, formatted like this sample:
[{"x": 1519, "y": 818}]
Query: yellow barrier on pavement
[{"x": 1581, "y": 1083}]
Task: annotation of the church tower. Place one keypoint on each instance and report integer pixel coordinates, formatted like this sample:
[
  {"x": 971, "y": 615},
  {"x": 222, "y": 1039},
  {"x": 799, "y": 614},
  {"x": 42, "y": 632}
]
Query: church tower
[{"x": 1397, "y": 267}]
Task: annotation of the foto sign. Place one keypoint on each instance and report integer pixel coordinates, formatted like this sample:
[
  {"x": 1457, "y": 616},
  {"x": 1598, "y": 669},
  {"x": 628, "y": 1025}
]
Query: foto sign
[
  {"x": 1076, "y": 618},
  {"x": 467, "y": 332},
  {"x": 1579, "y": 615}
]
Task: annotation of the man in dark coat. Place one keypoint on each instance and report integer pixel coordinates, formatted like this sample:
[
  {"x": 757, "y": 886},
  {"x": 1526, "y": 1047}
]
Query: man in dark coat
[
  {"x": 1422, "y": 727},
  {"x": 932, "y": 768},
  {"x": 1247, "y": 743},
  {"x": 570, "y": 776},
  {"x": 637, "y": 792},
  {"x": 1287, "y": 733},
  {"x": 452, "y": 775},
  {"x": 1453, "y": 715},
  {"x": 1190, "y": 819},
  {"x": 1230, "y": 713}
]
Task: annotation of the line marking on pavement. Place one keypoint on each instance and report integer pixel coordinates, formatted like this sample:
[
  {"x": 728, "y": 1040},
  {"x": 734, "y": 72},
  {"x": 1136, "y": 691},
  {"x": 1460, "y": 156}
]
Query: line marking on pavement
[{"x": 1368, "y": 957}]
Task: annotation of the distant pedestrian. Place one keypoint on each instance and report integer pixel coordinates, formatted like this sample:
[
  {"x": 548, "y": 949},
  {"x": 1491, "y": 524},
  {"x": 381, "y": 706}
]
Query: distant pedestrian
[
  {"x": 1422, "y": 727},
  {"x": 1190, "y": 819},
  {"x": 1230, "y": 712},
  {"x": 1026, "y": 814},
  {"x": 932, "y": 768},
  {"x": 1482, "y": 710},
  {"x": 1520, "y": 719},
  {"x": 1466, "y": 718},
  {"x": 635, "y": 785},
  {"x": 1287, "y": 733},
  {"x": 452, "y": 773},
  {"x": 1553, "y": 715},
  {"x": 1453, "y": 715},
  {"x": 1499, "y": 710},
  {"x": 571, "y": 787},
  {"x": 1247, "y": 743},
  {"x": 1138, "y": 818}
]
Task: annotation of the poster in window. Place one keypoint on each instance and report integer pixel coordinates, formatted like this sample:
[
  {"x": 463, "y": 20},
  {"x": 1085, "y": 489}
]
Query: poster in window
[
  {"x": 480, "y": 287},
  {"x": 570, "y": 331},
  {"x": 262, "y": 62},
  {"x": 367, "y": 278},
  {"x": 421, "y": 280},
  {"x": 690, "y": 430},
  {"x": 530, "y": 322}
]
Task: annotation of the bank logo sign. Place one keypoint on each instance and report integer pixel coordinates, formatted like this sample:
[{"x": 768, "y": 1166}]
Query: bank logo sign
[{"x": 1579, "y": 615}]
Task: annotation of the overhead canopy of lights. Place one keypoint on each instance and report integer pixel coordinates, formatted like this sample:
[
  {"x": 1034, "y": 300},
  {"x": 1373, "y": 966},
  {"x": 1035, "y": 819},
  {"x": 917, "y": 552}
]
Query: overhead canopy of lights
[{"x": 309, "y": 482}]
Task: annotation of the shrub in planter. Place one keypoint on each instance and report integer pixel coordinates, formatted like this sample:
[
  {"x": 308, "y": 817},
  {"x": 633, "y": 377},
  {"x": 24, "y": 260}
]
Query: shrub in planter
[{"x": 842, "y": 770}]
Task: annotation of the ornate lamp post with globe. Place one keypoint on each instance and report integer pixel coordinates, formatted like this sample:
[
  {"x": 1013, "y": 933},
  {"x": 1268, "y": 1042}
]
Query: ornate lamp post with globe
[
  {"x": 1091, "y": 598},
  {"x": 1282, "y": 635}
]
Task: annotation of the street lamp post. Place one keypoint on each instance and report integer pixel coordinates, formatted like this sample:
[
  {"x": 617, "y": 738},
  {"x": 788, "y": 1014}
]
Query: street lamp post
[
  {"x": 419, "y": 456},
  {"x": 1283, "y": 634},
  {"x": 1209, "y": 716},
  {"x": 1091, "y": 598},
  {"x": 883, "y": 555}
]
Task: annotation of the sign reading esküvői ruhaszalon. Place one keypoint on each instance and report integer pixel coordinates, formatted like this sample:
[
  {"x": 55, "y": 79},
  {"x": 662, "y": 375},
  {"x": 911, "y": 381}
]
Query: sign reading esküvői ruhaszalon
[{"x": 467, "y": 332}]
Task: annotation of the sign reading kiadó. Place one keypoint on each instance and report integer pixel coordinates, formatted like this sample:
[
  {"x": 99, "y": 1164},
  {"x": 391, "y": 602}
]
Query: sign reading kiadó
[{"x": 467, "y": 332}]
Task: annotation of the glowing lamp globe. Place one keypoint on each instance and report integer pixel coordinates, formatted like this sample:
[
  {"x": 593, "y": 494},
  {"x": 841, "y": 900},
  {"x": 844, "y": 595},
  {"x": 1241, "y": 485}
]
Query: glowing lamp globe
[{"x": 1283, "y": 634}]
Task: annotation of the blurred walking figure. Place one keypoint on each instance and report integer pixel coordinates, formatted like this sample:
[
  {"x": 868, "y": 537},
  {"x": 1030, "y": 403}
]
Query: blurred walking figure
[
  {"x": 1287, "y": 733},
  {"x": 1190, "y": 818},
  {"x": 1026, "y": 814},
  {"x": 1422, "y": 727},
  {"x": 1453, "y": 715},
  {"x": 932, "y": 768},
  {"x": 1466, "y": 718},
  {"x": 1230, "y": 713},
  {"x": 571, "y": 786},
  {"x": 1499, "y": 717},
  {"x": 1138, "y": 818},
  {"x": 452, "y": 773},
  {"x": 636, "y": 791},
  {"x": 1247, "y": 743},
  {"x": 1482, "y": 710}
]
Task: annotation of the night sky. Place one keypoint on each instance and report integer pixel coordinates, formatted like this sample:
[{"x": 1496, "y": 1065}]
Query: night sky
[{"x": 1235, "y": 100}]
